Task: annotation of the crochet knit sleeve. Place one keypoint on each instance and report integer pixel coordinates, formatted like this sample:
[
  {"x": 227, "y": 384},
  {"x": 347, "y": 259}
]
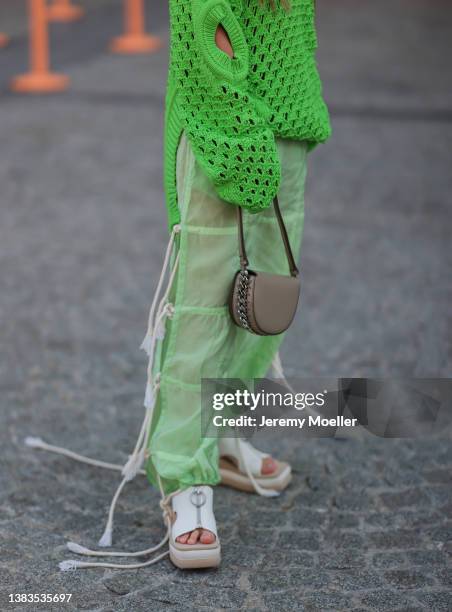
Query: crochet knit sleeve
[{"x": 227, "y": 126}]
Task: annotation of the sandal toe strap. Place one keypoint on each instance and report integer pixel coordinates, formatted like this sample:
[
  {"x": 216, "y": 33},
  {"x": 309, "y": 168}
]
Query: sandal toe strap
[
  {"x": 194, "y": 510},
  {"x": 252, "y": 456}
]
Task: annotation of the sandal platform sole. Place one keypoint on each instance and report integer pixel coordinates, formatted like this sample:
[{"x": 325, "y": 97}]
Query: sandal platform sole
[{"x": 195, "y": 559}]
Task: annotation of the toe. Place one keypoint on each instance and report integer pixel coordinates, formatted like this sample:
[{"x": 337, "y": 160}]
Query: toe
[
  {"x": 193, "y": 537},
  {"x": 207, "y": 537},
  {"x": 268, "y": 465},
  {"x": 182, "y": 539}
]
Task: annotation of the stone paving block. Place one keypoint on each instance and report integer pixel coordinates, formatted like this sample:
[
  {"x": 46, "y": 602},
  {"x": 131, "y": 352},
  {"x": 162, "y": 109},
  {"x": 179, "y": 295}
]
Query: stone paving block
[
  {"x": 392, "y": 559},
  {"x": 394, "y": 539},
  {"x": 304, "y": 518},
  {"x": 354, "y": 501},
  {"x": 294, "y": 578},
  {"x": 356, "y": 478},
  {"x": 340, "y": 520},
  {"x": 386, "y": 600},
  {"x": 243, "y": 556},
  {"x": 287, "y": 558},
  {"x": 326, "y": 601},
  {"x": 439, "y": 602},
  {"x": 402, "y": 476},
  {"x": 344, "y": 540},
  {"x": 441, "y": 534},
  {"x": 342, "y": 559},
  {"x": 383, "y": 520},
  {"x": 421, "y": 519},
  {"x": 180, "y": 593},
  {"x": 299, "y": 540},
  {"x": 441, "y": 494},
  {"x": 426, "y": 557},
  {"x": 123, "y": 583},
  {"x": 438, "y": 476},
  {"x": 444, "y": 576},
  {"x": 408, "y": 579},
  {"x": 407, "y": 498},
  {"x": 283, "y": 601},
  {"x": 355, "y": 580},
  {"x": 319, "y": 500}
]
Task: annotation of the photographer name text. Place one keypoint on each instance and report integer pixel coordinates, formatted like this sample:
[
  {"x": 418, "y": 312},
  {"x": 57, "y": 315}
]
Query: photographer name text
[{"x": 299, "y": 423}]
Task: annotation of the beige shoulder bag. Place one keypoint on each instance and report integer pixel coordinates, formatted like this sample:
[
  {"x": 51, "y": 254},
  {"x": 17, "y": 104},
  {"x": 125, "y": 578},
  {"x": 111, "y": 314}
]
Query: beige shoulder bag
[{"x": 261, "y": 302}]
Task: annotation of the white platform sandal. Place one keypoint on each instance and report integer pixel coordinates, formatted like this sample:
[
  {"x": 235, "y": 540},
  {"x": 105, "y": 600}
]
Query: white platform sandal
[
  {"x": 192, "y": 509},
  {"x": 241, "y": 464}
]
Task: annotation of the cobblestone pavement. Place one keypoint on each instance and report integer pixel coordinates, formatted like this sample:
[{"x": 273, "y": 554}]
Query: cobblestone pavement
[{"x": 366, "y": 524}]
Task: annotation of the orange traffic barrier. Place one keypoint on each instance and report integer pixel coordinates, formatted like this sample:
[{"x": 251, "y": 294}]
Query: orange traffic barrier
[
  {"x": 135, "y": 39},
  {"x": 39, "y": 79},
  {"x": 64, "y": 10},
  {"x": 4, "y": 40}
]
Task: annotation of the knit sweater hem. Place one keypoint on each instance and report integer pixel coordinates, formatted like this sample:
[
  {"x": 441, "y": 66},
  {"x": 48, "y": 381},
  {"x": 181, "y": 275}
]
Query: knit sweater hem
[{"x": 232, "y": 109}]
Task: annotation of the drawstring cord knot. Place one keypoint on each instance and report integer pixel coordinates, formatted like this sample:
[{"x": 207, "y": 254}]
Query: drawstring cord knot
[
  {"x": 167, "y": 512},
  {"x": 148, "y": 342},
  {"x": 165, "y": 505},
  {"x": 166, "y": 313}
]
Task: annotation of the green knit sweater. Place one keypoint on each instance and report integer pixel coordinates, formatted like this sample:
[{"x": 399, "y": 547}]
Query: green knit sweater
[{"x": 232, "y": 108}]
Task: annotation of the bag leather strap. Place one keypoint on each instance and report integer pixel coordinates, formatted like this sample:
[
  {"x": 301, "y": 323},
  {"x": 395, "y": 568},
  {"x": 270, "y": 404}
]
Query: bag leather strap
[{"x": 282, "y": 228}]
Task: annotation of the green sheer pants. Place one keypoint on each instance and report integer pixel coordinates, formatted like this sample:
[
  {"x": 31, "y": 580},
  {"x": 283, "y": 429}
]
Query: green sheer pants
[{"x": 200, "y": 340}]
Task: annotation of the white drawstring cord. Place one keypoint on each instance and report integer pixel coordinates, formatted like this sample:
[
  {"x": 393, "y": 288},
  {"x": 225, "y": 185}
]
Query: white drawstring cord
[
  {"x": 279, "y": 372},
  {"x": 73, "y": 564},
  {"x": 137, "y": 457},
  {"x": 131, "y": 468},
  {"x": 135, "y": 461},
  {"x": 165, "y": 311},
  {"x": 157, "y": 331},
  {"x": 34, "y": 442},
  {"x": 145, "y": 344}
]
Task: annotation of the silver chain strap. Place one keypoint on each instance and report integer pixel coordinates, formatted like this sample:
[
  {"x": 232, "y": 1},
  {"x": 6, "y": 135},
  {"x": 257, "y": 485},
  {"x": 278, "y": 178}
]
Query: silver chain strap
[{"x": 243, "y": 298}]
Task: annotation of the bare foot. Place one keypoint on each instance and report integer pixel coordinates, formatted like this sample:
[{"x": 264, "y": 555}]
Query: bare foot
[
  {"x": 203, "y": 536},
  {"x": 268, "y": 466}
]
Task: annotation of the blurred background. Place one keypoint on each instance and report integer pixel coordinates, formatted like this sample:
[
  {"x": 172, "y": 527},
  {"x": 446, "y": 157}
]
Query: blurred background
[
  {"x": 83, "y": 216},
  {"x": 82, "y": 235}
]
